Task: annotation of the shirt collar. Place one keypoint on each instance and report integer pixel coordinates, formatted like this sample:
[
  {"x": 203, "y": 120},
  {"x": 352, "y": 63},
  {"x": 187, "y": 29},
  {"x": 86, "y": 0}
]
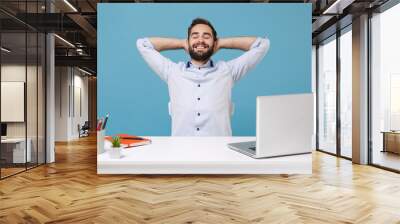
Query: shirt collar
[{"x": 209, "y": 64}]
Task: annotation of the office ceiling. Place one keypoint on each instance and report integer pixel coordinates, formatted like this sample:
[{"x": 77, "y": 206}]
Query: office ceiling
[{"x": 77, "y": 23}]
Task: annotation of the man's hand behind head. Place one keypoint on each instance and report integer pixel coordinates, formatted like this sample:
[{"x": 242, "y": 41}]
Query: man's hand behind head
[
  {"x": 185, "y": 45},
  {"x": 216, "y": 46}
]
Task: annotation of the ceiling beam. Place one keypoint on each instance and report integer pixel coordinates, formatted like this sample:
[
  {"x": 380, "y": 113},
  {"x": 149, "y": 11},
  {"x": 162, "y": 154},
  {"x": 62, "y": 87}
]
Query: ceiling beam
[
  {"x": 84, "y": 61},
  {"x": 337, "y": 6}
]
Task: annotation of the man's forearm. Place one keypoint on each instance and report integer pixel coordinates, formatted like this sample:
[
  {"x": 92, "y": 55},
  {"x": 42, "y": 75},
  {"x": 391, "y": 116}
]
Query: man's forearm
[
  {"x": 162, "y": 44},
  {"x": 241, "y": 43}
]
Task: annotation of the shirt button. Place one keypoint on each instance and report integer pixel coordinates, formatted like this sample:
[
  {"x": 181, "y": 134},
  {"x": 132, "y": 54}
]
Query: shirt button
[
  {"x": 198, "y": 98},
  {"x": 198, "y": 85},
  {"x": 198, "y": 129},
  {"x": 198, "y": 114}
]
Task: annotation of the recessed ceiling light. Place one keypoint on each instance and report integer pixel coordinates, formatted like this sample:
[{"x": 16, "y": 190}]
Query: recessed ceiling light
[
  {"x": 84, "y": 71},
  {"x": 65, "y": 41},
  {"x": 5, "y": 50}
]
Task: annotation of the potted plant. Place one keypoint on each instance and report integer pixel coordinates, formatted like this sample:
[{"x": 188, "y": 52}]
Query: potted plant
[{"x": 115, "y": 150}]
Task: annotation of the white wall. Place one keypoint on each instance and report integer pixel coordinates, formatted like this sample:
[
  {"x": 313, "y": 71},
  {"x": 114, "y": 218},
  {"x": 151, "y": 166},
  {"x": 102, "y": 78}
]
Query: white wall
[
  {"x": 62, "y": 81},
  {"x": 80, "y": 89},
  {"x": 70, "y": 83}
]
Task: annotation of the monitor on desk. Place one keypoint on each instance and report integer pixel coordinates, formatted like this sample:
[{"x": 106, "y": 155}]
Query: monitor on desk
[{"x": 3, "y": 130}]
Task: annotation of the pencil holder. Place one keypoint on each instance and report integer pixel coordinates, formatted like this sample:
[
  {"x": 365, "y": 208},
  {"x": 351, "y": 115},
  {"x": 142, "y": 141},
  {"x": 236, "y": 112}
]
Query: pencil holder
[{"x": 100, "y": 141}]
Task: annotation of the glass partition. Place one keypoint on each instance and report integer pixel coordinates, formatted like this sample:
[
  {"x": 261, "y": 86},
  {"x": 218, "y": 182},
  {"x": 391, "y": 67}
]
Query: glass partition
[
  {"x": 13, "y": 104},
  {"x": 22, "y": 77}
]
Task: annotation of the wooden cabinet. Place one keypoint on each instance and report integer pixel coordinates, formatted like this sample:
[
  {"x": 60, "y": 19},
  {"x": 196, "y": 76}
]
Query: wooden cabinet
[{"x": 391, "y": 142}]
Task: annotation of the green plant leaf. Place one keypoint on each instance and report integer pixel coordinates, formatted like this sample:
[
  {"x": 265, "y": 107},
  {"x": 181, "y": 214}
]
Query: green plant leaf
[{"x": 116, "y": 142}]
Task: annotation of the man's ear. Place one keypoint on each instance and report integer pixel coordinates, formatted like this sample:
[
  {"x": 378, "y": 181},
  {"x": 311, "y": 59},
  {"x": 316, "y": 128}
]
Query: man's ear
[{"x": 216, "y": 47}]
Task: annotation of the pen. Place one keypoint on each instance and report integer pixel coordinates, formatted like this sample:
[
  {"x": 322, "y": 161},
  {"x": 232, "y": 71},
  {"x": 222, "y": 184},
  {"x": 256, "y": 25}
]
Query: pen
[
  {"x": 99, "y": 124},
  {"x": 105, "y": 121}
]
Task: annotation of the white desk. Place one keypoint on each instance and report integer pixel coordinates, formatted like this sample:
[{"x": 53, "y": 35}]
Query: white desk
[
  {"x": 198, "y": 155},
  {"x": 19, "y": 149}
]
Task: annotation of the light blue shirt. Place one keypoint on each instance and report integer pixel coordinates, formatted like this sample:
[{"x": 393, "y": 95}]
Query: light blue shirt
[{"x": 200, "y": 96}]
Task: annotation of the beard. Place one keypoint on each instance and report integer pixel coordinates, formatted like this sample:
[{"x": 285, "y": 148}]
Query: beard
[{"x": 200, "y": 56}]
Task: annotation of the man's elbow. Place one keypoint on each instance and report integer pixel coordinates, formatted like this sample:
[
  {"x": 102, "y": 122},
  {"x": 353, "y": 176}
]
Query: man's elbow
[
  {"x": 140, "y": 43},
  {"x": 265, "y": 44}
]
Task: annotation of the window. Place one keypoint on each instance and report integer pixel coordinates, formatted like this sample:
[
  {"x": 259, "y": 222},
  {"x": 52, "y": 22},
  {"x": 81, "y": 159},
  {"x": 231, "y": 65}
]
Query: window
[
  {"x": 385, "y": 89},
  {"x": 346, "y": 92},
  {"x": 327, "y": 95}
]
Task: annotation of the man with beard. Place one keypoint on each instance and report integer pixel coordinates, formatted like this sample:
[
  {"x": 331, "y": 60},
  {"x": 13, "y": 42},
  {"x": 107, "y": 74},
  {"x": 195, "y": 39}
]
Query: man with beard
[{"x": 200, "y": 90}]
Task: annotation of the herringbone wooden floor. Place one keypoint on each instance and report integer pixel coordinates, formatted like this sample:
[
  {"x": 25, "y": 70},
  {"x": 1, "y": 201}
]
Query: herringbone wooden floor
[{"x": 70, "y": 191}]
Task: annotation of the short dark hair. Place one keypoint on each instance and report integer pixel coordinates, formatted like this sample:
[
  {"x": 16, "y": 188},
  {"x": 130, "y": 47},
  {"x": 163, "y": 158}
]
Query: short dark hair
[{"x": 202, "y": 21}]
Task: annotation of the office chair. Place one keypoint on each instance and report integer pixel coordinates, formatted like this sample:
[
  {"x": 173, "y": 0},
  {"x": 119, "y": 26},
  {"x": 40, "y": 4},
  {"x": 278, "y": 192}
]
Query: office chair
[{"x": 84, "y": 130}]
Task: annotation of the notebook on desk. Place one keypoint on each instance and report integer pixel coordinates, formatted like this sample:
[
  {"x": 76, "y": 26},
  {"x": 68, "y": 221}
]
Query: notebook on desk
[
  {"x": 284, "y": 126},
  {"x": 128, "y": 141}
]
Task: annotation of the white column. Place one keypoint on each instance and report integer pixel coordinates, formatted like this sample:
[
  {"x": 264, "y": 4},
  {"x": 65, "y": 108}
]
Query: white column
[
  {"x": 360, "y": 90},
  {"x": 50, "y": 92},
  {"x": 313, "y": 90},
  {"x": 50, "y": 109}
]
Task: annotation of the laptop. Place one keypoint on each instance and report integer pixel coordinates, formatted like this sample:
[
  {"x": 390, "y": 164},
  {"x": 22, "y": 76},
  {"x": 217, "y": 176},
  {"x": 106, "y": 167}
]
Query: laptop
[{"x": 284, "y": 126}]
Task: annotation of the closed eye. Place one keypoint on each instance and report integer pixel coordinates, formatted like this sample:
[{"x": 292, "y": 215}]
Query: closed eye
[
  {"x": 195, "y": 35},
  {"x": 207, "y": 36}
]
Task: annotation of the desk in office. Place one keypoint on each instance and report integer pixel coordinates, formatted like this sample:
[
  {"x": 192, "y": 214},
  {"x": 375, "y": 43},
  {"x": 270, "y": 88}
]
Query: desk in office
[{"x": 198, "y": 155}]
